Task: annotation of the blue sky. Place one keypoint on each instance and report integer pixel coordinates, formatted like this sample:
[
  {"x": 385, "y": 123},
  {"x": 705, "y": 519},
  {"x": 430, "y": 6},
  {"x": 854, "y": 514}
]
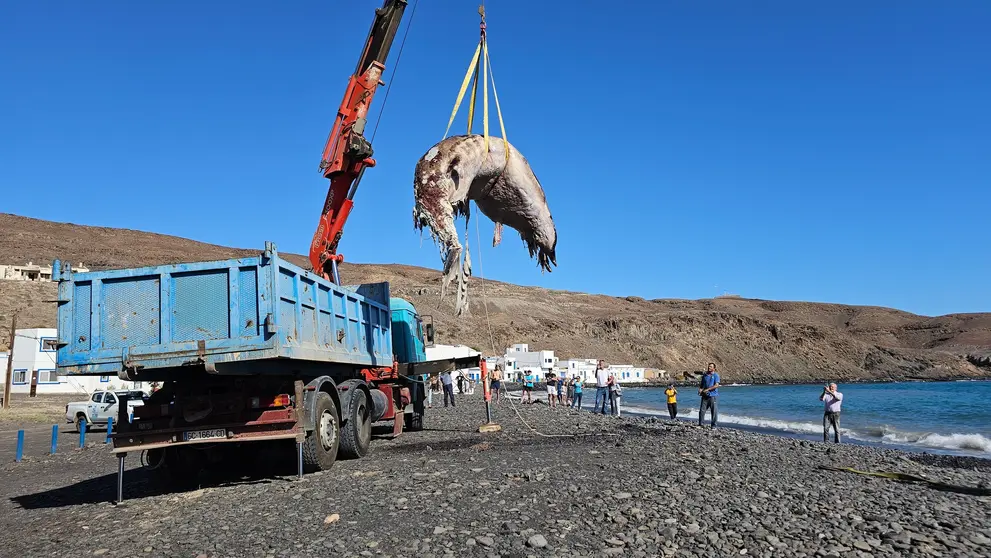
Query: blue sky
[{"x": 836, "y": 152}]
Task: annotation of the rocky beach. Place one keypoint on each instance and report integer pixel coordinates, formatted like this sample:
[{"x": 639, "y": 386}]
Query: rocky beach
[{"x": 587, "y": 485}]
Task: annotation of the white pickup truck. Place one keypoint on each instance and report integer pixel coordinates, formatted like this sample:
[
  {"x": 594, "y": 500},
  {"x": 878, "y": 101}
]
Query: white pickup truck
[{"x": 101, "y": 406}]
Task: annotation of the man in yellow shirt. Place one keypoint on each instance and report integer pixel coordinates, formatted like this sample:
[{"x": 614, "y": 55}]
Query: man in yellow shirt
[{"x": 672, "y": 401}]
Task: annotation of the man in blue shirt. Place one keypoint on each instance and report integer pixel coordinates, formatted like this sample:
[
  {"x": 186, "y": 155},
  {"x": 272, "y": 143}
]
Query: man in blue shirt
[{"x": 709, "y": 391}]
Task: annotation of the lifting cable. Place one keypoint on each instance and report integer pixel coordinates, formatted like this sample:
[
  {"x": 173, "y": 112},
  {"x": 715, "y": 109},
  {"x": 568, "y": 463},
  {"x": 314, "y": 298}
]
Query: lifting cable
[{"x": 481, "y": 65}]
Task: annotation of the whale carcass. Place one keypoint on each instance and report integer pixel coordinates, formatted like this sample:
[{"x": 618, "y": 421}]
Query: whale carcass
[{"x": 460, "y": 169}]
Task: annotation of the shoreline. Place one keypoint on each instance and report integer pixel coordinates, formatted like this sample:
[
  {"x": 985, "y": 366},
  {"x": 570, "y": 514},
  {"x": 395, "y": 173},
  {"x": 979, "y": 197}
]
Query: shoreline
[{"x": 850, "y": 437}]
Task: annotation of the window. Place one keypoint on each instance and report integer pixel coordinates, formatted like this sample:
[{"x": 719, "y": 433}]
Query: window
[
  {"x": 97, "y": 397},
  {"x": 104, "y": 379},
  {"x": 47, "y": 377},
  {"x": 49, "y": 344},
  {"x": 110, "y": 398},
  {"x": 20, "y": 376}
]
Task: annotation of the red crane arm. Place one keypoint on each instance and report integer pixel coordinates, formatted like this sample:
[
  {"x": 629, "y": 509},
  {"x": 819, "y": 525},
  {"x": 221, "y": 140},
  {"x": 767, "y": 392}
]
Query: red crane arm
[{"x": 347, "y": 153}]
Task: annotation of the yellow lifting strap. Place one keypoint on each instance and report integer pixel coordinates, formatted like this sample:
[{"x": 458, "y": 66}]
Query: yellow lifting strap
[{"x": 480, "y": 64}]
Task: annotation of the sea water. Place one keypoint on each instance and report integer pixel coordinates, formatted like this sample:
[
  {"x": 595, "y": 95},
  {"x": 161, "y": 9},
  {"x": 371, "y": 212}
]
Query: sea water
[{"x": 946, "y": 417}]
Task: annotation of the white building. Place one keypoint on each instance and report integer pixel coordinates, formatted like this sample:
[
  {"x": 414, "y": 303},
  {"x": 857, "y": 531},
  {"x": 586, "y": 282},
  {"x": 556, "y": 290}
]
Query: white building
[
  {"x": 31, "y": 272},
  {"x": 582, "y": 367},
  {"x": 628, "y": 374},
  {"x": 34, "y": 363},
  {"x": 520, "y": 359},
  {"x": 585, "y": 367}
]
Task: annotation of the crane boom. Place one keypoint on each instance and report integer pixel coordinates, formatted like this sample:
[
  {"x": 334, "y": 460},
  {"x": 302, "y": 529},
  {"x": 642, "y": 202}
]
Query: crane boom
[{"x": 348, "y": 153}]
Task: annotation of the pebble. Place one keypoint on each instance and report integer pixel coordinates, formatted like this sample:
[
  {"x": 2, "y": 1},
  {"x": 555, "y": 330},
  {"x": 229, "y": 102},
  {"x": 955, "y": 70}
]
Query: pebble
[
  {"x": 648, "y": 499},
  {"x": 537, "y": 541}
]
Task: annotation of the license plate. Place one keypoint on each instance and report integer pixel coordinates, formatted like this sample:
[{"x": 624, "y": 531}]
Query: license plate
[{"x": 204, "y": 434}]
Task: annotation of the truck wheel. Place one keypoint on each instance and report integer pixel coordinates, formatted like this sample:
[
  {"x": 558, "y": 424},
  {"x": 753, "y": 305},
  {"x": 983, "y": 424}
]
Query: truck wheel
[
  {"x": 356, "y": 433},
  {"x": 414, "y": 421},
  {"x": 321, "y": 445}
]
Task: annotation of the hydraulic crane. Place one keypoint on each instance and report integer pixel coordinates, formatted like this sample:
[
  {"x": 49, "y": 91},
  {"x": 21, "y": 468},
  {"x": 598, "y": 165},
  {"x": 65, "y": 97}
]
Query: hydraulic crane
[{"x": 348, "y": 153}]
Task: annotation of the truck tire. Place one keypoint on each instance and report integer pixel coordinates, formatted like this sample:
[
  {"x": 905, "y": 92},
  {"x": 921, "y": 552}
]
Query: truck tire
[
  {"x": 414, "y": 421},
  {"x": 322, "y": 443},
  {"x": 356, "y": 432}
]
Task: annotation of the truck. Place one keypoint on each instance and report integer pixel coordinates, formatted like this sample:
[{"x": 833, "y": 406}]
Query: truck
[
  {"x": 101, "y": 406},
  {"x": 246, "y": 350},
  {"x": 257, "y": 349}
]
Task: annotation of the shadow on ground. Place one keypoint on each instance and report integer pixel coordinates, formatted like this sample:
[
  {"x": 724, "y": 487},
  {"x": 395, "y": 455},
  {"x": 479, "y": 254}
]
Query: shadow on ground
[{"x": 276, "y": 464}]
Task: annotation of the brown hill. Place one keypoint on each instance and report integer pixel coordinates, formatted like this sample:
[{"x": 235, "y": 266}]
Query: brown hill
[{"x": 751, "y": 340}]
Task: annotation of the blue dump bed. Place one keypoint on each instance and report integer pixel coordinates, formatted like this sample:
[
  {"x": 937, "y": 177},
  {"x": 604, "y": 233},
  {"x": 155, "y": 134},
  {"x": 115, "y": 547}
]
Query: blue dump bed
[{"x": 222, "y": 315}]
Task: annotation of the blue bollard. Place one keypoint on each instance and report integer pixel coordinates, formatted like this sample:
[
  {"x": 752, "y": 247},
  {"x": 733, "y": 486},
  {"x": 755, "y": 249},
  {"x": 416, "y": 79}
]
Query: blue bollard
[
  {"x": 82, "y": 434},
  {"x": 20, "y": 445},
  {"x": 54, "y": 438},
  {"x": 110, "y": 429}
]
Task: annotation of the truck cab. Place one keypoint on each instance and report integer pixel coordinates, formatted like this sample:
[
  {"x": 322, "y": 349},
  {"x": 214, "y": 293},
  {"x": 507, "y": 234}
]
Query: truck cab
[{"x": 410, "y": 337}]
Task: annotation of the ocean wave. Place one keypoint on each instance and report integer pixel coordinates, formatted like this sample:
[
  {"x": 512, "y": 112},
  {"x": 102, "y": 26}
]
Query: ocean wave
[{"x": 882, "y": 434}]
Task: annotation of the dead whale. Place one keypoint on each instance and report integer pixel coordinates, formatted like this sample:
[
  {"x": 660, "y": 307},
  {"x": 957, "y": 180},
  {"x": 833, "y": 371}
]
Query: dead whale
[{"x": 459, "y": 170}]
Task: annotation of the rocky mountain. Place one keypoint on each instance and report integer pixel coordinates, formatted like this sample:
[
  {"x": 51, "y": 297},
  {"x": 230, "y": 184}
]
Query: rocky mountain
[{"x": 751, "y": 340}]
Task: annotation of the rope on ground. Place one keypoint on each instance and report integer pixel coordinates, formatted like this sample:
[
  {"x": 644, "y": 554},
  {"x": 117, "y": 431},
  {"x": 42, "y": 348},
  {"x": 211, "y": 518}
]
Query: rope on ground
[
  {"x": 488, "y": 324},
  {"x": 905, "y": 477}
]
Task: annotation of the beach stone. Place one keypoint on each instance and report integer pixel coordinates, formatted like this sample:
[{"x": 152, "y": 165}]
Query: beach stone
[
  {"x": 623, "y": 496},
  {"x": 486, "y": 541},
  {"x": 537, "y": 541},
  {"x": 980, "y": 539}
]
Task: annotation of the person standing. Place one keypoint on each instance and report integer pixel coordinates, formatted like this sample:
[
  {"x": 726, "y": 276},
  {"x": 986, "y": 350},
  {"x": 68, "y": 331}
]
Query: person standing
[
  {"x": 445, "y": 378},
  {"x": 496, "y": 384},
  {"x": 551, "y": 389},
  {"x": 615, "y": 393},
  {"x": 570, "y": 395},
  {"x": 601, "y": 386},
  {"x": 831, "y": 414},
  {"x": 672, "y": 395},
  {"x": 577, "y": 401},
  {"x": 527, "y": 388},
  {"x": 560, "y": 390},
  {"x": 709, "y": 391}
]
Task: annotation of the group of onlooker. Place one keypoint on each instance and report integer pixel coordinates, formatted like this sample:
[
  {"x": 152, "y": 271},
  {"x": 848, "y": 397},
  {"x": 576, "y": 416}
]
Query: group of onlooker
[{"x": 567, "y": 391}]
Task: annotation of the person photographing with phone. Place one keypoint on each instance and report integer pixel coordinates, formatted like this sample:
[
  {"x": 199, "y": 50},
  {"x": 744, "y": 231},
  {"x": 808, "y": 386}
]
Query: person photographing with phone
[
  {"x": 709, "y": 391},
  {"x": 831, "y": 414}
]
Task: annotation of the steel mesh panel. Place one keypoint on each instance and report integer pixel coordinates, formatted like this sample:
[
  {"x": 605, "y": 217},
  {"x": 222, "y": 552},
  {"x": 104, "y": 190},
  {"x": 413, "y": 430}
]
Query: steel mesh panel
[
  {"x": 130, "y": 310},
  {"x": 81, "y": 298},
  {"x": 200, "y": 306},
  {"x": 247, "y": 280}
]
